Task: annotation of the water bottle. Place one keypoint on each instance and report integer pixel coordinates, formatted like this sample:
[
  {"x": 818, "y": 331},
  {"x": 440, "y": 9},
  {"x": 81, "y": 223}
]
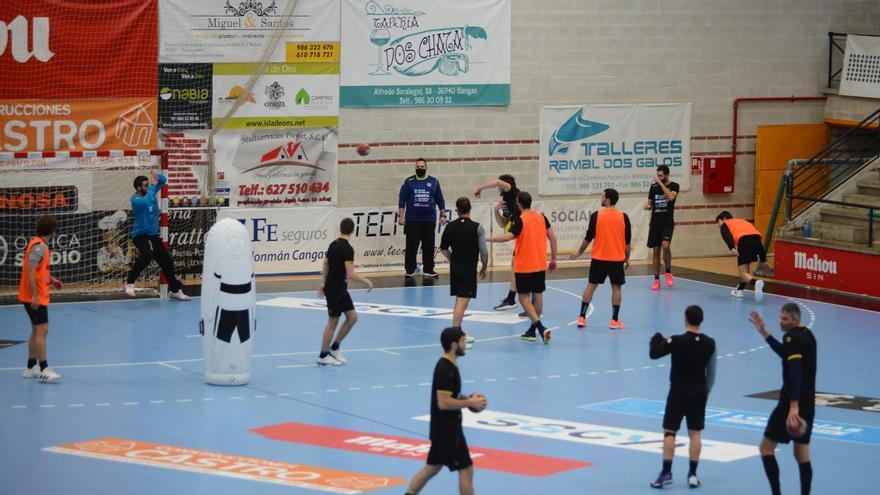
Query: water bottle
[{"x": 808, "y": 228}]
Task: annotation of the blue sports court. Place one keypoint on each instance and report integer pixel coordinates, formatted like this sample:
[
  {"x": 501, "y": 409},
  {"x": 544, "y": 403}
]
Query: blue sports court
[{"x": 580, "y": 415}]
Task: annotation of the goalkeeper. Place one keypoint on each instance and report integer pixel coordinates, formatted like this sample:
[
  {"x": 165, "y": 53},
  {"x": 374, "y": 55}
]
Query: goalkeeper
[{"x": 145, "y": 235}]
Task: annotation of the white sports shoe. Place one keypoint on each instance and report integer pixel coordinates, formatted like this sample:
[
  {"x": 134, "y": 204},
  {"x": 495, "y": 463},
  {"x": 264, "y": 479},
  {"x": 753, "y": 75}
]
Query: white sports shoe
[
  {"x": 759, "y": 290},
  {"x": 179, "y": 295},
  {"x": 129, "y": 290},
  {"x": 32, "y": 372},
  {"x": 328, "y": 360},
  {"x": 469, "y": 340},
  {"x": 693, "y": 481},
  {"x": 49, "y": 375},
  {"x": 736, "y": 293},
  {"x": 337, "y": 355}
]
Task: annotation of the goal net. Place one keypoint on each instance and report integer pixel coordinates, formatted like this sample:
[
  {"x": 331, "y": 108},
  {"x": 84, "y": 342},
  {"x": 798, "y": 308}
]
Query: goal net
[{"x": 90, "y": 195}]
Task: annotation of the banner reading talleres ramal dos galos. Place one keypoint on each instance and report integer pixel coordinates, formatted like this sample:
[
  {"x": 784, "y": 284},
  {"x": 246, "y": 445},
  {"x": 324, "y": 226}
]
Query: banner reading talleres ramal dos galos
[
  {"x": 418, "y": 53},
  {"x": 59, "y": 89},
  {"x": 586, "y": 149}
]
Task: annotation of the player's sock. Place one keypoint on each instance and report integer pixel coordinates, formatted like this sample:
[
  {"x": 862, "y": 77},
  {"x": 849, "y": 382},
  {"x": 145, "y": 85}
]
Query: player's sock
[
  {"x": 44, "y": 365},
  {"x": 741, "y": 286},
  {"x": 656, "y": 277},
  {"x": 693, "y": 469},
  {"x": 31, "y": 363},
  {"x": 668, "y": 270},
  {"x": 584, "y": 306},
  {"x": 323, "y": 354},
  {"x": 667, "y": 466},
  {"x": 511, "y": 295},
  {"x": 806, "y": 472},
  {"x": 752, "y": 282},
  {"x": 772, "y": 470},
  {"x": 334, "y": 346},
  {"x": 616, "y": 308}
]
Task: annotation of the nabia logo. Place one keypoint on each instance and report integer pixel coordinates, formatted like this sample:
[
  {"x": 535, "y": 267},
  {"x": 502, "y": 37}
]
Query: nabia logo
[
  {"x": 15, "y": 35},
  {"x": 814, "y": 263}
]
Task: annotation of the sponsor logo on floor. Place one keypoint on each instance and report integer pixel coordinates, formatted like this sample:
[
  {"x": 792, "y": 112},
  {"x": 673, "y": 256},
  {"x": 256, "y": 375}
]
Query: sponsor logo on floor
[
  {"x": 413, "y": 448},
  {"x": 827, "y": 430},
  {"x": 232, "y": 466},
  {"x": 831, "y": 399},
  {"x": 395, "y": 310},
  {"x": 606, "y": 436}
]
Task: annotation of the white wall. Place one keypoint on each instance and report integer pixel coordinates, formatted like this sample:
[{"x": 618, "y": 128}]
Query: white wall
[{"x": 708, "y": 52}]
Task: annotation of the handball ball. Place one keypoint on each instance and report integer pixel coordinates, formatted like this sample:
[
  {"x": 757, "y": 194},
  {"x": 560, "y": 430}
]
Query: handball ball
[
  {"x": 474, "y": 409},
  {"x": 185, "y": 201},
  {"x": 801, "y": 429},
  {"x": 175, "y": 200},
  {"x": 363, "y": 149},
  {"x": 203, "y": 200}
]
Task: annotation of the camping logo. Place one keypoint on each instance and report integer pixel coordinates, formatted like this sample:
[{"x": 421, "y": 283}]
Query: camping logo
[
  {"x": 302, "y": 97},
  {"x": 575, "y": 129},
  {"x": 291, "y": 154},
  {"x": 275, "y": 92}
]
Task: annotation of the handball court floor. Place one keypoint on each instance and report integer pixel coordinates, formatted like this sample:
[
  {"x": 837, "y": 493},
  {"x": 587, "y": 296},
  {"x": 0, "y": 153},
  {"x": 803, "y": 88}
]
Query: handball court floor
[{"x": 133, "y": 415}]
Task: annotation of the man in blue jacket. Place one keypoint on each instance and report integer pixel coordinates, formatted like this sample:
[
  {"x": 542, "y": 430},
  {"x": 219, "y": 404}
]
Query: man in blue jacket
[
  {"x": 145, "y": 235},
  {"x": 420, "y": 195}
]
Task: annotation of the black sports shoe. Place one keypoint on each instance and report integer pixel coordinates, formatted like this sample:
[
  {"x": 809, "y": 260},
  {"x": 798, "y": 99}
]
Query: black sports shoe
[
  {"x": 529, "y": 335},
  {"x": 431, "y": 274},
  {"x": 505, "y": 304},
  {"x": 408, "y": 276},
  {"x": 545, "y": 334}
]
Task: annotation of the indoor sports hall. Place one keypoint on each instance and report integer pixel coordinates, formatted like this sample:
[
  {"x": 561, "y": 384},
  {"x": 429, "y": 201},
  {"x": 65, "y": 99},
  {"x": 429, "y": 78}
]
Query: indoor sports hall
[{"x": 337, "y": 246}]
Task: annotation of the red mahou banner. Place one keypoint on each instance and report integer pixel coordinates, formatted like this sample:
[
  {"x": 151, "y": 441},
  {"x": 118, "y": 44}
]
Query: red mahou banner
[
  {"x": 845, "y": 271},
  {"x": 63, "y": 49}
]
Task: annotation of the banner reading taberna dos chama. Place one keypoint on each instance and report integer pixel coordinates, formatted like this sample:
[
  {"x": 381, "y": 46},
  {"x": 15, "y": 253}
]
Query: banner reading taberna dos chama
[
  {"x": 586, "y": 149},
  {"x": 408, "y": 53}
]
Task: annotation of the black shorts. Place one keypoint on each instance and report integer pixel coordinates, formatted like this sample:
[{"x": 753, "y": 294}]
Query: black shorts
[
  {"x": 38, "y": 316},
  {"x": 530, "y": 283},
  {"x": 659, "y": 233},
  {"x": 599, "y": 270},
  {"x": 750, "y": 248},
  {"x": 338, "y": 304},
  {"x": 776, "y": 429},
  {"x": 463, "y": 281},
  {"x": 450, "y": 451},
  {"x": 684, "y": 403}
]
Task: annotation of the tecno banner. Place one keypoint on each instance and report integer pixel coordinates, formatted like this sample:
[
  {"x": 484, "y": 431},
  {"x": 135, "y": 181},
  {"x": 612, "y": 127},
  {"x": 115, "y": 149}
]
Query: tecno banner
[
  {"x": 48, "y": 125},
  {"x": 280, "y": 168},
  {"x": 288, "y": 241},
  {"x": 586, "y": 149},
  {"x": 845, "y": 271}
]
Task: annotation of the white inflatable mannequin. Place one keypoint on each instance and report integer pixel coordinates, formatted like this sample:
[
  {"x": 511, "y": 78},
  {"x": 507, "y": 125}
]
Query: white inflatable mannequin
[{"x": 228, "y": 304}]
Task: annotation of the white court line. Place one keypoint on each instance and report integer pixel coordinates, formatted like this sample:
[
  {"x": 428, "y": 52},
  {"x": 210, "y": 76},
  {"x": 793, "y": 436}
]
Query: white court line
[
  {"x": 388, "y": 352},
  {"x": 161, "y": 363}
]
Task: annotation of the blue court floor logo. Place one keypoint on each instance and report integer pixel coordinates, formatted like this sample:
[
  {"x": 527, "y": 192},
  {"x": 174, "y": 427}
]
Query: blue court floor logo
[{"x": 575, "y": 129}]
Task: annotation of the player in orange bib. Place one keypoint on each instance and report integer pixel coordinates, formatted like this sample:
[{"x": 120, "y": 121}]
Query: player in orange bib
[
  {"x": 611, "y": 230},
  {"x": 743, "y": 240},
  {"x": 33, "y": 293}
]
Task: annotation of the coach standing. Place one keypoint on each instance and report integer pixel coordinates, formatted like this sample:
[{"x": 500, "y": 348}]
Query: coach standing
[{"x": 420, "y": 195}]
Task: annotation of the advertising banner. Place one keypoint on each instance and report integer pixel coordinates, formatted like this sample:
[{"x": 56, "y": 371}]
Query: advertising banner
[
  {"x": 408, "y": 53},
  {"x": 187, "y": 228},
  {"x": 66, "y": 125},
  {"x": 211, "y": 31},
  {"x": 570, "y": 220},
  {"x": 845, "y": 271},
  {"x": 64, "y": 49},
  {"x": 287, "y": 95},
  {"x": 584, "y": 150},
  {"x": 291, "y": 242},
  {"x": 185, "y": 96},
  {"x": 280, "y": 168},
  {"x": 187, "y": 153}
]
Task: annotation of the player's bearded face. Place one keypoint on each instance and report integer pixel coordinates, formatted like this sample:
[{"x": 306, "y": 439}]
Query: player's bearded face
[{"x": 459, "y": 349}]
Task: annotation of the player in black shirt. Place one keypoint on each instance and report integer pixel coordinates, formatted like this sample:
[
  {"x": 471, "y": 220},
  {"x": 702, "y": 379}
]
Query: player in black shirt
[
  {"x": 661, "y": 202},
  {"x": 797, "y": 399},
  {"x": 505, "y": 212},
  {"x": 690, "y": 380},
  {"x": 463, "y": 243},
  {"x": 338, "y": 268},
  {"x": 448, "y": 445}
]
